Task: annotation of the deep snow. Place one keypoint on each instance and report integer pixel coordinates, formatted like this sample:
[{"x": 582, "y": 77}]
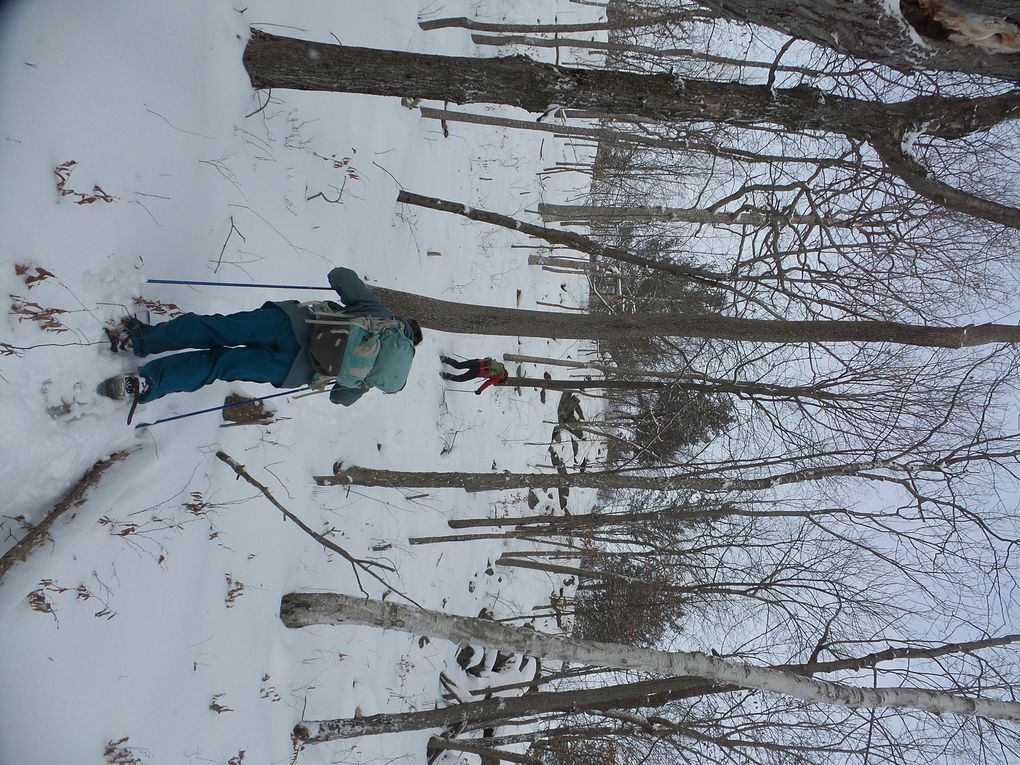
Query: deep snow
[{"x": 178, "y": 610}]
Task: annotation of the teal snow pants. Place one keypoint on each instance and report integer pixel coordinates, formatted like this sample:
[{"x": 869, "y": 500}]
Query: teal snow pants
[{"x": 254, "y": 346}]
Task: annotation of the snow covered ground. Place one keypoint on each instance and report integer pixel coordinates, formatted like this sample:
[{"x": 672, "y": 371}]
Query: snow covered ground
[{"x": 151, "y": 613}]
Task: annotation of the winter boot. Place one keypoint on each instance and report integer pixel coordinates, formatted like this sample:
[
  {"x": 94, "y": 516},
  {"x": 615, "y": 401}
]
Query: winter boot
[{"x": 120, "y": 387}]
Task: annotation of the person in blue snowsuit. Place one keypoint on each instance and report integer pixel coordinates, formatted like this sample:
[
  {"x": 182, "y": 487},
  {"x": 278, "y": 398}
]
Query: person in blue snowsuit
[{"x": 267, "y": 345}]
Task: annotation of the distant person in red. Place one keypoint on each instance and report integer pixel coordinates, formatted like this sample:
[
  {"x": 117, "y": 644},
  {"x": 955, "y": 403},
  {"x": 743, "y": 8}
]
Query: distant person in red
[{"x": 493, "y": 372}]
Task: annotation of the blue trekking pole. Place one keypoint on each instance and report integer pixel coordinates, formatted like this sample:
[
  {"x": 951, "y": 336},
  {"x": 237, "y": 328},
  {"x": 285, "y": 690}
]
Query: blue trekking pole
[
  {"x": 219, "y": 408},
  {"x": 237, "y": 284}
]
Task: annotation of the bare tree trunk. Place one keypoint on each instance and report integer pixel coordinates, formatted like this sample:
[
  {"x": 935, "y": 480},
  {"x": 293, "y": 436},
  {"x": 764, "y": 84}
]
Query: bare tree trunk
[
  {"x": 592, "y": 214},
  {"x": 618, "y": 136},
  {"x": 573, "y": 363},
  {"x": 447, "y": 316},
  {"x": 307, "y": 609},
  {"x": 541, "y": 382},
  {"x": 511, "y": 561},
  {"x": 638, "y": 50},
  {"x": 740, "y": 388},
  {"x": 630, "y": 18},
  {"x": 872, "y": 29},
  {"x": 540, "y": 524},
  {"x": 651, "y": 693},
  {"x": 487, "y": 753},
  {"x": 825, "y": 390},
  {"x": 459, "y": 538},
  {"x": 283, "y": 62},
  {"x": 463, "y": 22},
  {"x": 360, "y": 476},
  {"x": 556, "y": 236}
]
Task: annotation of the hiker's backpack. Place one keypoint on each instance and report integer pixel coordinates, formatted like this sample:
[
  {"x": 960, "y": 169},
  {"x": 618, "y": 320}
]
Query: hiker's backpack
[{"x": 375, "y": 352}]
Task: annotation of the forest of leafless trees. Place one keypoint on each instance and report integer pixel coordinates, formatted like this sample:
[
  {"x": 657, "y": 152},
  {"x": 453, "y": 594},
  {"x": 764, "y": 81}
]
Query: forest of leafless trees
[{"x": 802, "y": 256}]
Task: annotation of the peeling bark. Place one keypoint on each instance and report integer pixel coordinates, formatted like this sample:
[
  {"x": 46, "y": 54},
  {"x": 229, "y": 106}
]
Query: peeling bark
[{"x": 866, "y": 29}]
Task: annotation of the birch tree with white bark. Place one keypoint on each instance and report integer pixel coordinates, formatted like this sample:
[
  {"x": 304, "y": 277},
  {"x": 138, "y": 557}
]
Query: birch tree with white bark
[{"x": 307, "y": 609}]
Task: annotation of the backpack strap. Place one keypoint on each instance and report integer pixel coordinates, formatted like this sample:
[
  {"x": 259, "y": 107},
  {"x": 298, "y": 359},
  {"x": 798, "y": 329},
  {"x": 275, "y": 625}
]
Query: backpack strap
[{"x": 329, "y": 336}]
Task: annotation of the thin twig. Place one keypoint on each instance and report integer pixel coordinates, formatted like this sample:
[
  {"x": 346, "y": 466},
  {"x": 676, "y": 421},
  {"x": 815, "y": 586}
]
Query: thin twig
[
  {"x": 223, "y": 249},
  {"x": 179, "y": 130},
  {"x": 339, "y": 194},
  {"x": 280, "y": 26},
  {"x": 388, "y": 173},
  {"x": 356, "y": 563},
  {"x": 136, "y": 202},
  {"x": 261, "y": 217},
  {"x": 269, "y": 96},
  {"x": 771, "y": 83}
]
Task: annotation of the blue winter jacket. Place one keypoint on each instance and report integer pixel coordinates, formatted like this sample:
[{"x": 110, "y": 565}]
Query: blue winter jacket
[{"x": 358, "y": 300}]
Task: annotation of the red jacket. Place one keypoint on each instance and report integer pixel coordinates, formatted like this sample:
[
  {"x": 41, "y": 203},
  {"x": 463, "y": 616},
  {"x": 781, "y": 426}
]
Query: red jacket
[{"x": 494, "y": 372}]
